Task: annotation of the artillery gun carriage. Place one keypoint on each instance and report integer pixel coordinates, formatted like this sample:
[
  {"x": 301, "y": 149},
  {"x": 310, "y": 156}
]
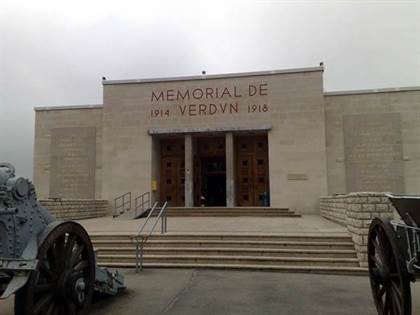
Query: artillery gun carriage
[
  {"x": 49, "y": 265},
  {"x": 394, "y": 256}
]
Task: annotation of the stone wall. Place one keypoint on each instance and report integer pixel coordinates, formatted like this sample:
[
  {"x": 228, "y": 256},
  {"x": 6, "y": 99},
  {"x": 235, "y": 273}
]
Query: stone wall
[
  {"x": 377, "y": 128},
  {"x": 356, "y": 211},
  {"x": 68, "y": 152},
  {"x": 333, "y": 208},
  {"x": 76, "y": 209}
]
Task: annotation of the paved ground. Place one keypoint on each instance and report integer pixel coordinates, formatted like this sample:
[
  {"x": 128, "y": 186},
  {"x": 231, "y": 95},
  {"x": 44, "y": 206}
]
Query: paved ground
[
  {"x": 190, "y": 292},
  {"x": 305, "y": 224}
]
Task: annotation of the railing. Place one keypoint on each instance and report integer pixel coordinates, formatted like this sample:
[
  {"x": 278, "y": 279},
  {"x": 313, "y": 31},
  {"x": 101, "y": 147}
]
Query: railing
[
  {"x": 142, "y": 203},
  {"x": 140, "y": 239},
  {"x": 122, "y": 204}
]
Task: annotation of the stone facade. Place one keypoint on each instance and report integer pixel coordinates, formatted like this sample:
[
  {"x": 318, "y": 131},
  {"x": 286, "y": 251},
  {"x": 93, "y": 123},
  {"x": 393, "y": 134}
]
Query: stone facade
[
  {"x": 356, "y": 211},
  {"x": 318, "y": 143},
  {"x": 388, "y": 150},
  {"x": 294, "y": 117},
  {"x": 76, "y": 209},
  {"x": 56, "y": 133}
]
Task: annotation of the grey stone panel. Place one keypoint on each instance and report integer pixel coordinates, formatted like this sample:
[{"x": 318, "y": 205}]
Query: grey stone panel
[
  {"x": 373, "y": 152},
  {"x": 73, "y": 162}
]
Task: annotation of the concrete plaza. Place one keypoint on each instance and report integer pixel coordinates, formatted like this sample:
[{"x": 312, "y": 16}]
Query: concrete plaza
[
  {"x": 193, "y": 291},
  {"x": 203, "y": 291}
]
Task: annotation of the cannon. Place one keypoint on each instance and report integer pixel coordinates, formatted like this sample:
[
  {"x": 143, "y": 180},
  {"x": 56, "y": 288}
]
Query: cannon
[
  {"x": 394, "y": 256},
  {"x": 49, "y": 265}
]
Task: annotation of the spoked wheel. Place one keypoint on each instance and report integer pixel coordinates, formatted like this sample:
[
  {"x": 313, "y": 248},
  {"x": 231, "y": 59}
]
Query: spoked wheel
[
  {"x": 64, "y": 281},
  {"x": 389, "y": 278},
  {"x": 4, "y": 281}
]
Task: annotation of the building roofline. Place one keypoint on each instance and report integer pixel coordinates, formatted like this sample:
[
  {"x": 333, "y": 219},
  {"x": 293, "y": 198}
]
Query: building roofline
[
  {"x": 372, "y": 91},
  {"x": 212, "y": 76},
  {"x": 49, "y": 108}
]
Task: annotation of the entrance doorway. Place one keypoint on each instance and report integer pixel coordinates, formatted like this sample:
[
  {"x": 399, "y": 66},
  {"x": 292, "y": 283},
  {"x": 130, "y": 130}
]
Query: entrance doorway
[
  {"x": 210, "y": 172},
  {"x": 172, "y": 170},
  {"x": 252, "y": 176},
  {"x": 214, "y": 182}
]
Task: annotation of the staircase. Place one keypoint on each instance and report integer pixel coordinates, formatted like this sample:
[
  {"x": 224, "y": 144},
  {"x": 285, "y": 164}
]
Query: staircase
[
  {"x": 316, "y": 253},
  {"x": 230, "y": 212}
]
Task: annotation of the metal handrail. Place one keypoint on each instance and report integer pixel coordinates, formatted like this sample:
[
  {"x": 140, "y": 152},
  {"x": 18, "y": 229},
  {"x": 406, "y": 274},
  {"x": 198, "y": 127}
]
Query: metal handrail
[
  {"x": 145, "y": 200},
  {"x": 120, "y": 208},
  {"x": 148, "y": 218},
  {"x": 142, "y": 239}
]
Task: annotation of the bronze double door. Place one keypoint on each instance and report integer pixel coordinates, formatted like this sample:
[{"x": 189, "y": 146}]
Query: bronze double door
[
  {"x": 172, "y": 172},
  {"x": 252, "y": 176}
]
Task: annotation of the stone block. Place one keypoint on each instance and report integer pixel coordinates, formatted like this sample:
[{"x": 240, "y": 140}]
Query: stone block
[
  {"x": 357, "y": 239},
  {"x": 376, "y": 199},
  {"x": 386, "y": 215},
  {"x": 385, "y": 200},
  {"x": 382, "y": 207},
  {"x": 361, "y": 200},
  {"x": 361, "y": 215},
  {"x": 354, "y": 207},
  {"x": 368, "y": 207}
]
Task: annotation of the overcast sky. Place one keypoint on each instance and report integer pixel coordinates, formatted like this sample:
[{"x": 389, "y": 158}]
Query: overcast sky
[{"x": 55, "y": 52}]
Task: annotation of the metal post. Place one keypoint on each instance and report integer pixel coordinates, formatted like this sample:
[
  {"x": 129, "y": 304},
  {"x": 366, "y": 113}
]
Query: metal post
[
  {"x": 115, "y": 208},
  {"x": 162, "y": 219},
  {"x": 166, "y": 223},
  {"x": 137, "y": 255},
  {"x": 142, "y": 200},
  {"x": 141, "y": 253}
]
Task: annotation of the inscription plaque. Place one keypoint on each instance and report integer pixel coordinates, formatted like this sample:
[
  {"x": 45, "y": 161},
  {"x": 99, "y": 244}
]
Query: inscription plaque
[
  {"x": 297, "y": 176},
  {"x": 73, "y": 162},
  {"x": 373, "y": 152}
]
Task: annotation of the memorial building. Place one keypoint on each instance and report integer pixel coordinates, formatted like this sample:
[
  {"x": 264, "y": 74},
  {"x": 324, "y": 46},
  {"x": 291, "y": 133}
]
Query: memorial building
[{"x": 272, "y": 138}]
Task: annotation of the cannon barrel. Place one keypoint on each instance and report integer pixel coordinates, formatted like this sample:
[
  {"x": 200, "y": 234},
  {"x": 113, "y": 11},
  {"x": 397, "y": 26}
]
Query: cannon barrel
[{"x": 39, "y": 253}]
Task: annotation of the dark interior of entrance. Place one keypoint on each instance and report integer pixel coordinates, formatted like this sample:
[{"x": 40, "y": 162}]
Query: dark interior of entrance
[{"x": 210, "y": 172}]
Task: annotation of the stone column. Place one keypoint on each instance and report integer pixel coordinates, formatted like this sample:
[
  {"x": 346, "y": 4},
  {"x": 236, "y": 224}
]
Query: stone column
[
  {"x": 230, "y": 170},
  {"x": 189, "y": 171}
]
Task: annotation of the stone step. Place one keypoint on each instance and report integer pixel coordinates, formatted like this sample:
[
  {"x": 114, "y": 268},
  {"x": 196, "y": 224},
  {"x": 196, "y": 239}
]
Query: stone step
[
  {"x": 230, "y": 259},
  {"x": 80, "y": 213},
  {"x": 227, "y": 251},
  {"x": 227, "y": 243},
  {"x": 80, "y": 210},
  {"x": 229, "y": 208},
  {"x": 232, "y": 214},
  {"x": 229, "y": 212},
  {"x": 310, "y": 252},
  {"x": 77, "y": 216},
  {"x": 283, "y": 268},
  {"x": 311, "y": 237}
]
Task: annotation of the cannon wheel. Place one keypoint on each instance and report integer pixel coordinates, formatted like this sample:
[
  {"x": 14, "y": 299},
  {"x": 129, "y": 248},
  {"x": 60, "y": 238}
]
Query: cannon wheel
[
  {"x": 64, "y": 281},
  {"x": 389, "y": 278}
]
